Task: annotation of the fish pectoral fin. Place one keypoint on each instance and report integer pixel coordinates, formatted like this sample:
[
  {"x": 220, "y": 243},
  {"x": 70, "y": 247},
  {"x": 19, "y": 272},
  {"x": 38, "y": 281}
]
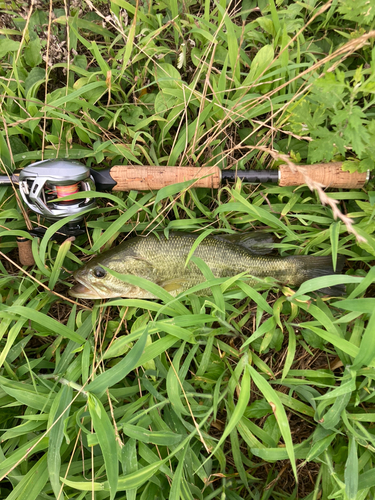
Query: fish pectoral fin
[{"x": 173, "y": 286}]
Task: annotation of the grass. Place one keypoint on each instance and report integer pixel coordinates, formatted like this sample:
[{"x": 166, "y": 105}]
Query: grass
[{"x": 245, "y": 394}]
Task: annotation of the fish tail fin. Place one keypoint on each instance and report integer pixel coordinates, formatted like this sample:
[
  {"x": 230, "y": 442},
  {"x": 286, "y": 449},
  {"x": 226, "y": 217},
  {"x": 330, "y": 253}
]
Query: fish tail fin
[{"x": 314, "y": 267}]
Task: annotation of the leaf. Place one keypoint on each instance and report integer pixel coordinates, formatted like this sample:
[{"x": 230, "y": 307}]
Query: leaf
[
  {"x": 127, "y": 482},
  {"x": 161, "y": 438},
  {"x": 63, "y": 250},
  {"x": 259, "y": 213},
  {"x": 325, "y": 281},
  {"x": 291, "y": 351},
  {"x": 351, "y": 470},
  {"x": 116, "y": 226},
  {"x": 164, "y": 102},
  {"x": 174, "y": 382},
  {"x": 364, "y": 305},
  {"x": 367, "y": 348},
  {"x": 325, "y": 145},
  {"x": 333, "y": 416},
  {"x": 360, "y": 11},
  {"x": 338, "y": 342},
  {"x": 121, "y": 370},
  {"x": 261, "y": 61},
  {"x": 168, "y": 77},
  {"x": 274, "y": 454},
  {"x": 90, "y": 87},
  {"x": 31, "y": 485},
  {"x": 320, "y": 447},
  {"x": 354, "y": 125},
  {"x": 58, "y": 414},
  {"x": 240, "y": 407},
  {"x": 162, "y": 294},
  {"x": 366, "y": 479},
  {"x": 334, "y": 233},
  {"x": 32, "y": 53},
  {"x": 233, "y": 48},
  {"x": 35, "y": 76},
  {"x": 129, "y": 42},
  {"x": 100, "y": 60},
  {"x": 175, "y": 493},
  {"x": 266, "y": 327},
  {"x": 279, "y": 412},
  {"x": 45, "y": 321},
  {"x": 7, "y": 45},
  {"x": 30, "y": 448},
  {"x": 255, "y": 296},
  {"x": 132, "y": 9},
  {"x": 107, "y": 440}
]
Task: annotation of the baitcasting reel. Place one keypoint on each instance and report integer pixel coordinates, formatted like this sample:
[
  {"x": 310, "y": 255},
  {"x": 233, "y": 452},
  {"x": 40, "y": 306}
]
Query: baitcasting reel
[{"x": 44, "y": 183}]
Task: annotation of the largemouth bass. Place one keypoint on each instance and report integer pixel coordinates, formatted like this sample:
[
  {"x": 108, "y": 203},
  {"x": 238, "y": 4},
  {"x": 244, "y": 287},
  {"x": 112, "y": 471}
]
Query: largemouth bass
[{"x": 163, "y": 261}]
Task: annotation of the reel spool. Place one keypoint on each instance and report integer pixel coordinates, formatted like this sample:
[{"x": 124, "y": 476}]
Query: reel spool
[
  {"x": 43, "y": 183},
  {"x": 55, "y": 192}
]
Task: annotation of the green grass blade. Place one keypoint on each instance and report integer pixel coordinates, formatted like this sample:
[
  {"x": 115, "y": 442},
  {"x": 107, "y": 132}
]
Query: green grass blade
[
  {"x": 291, "y": 351},
  {"x": 273, "y": 399},
  {"x": 63, "y": 250},
  {"x": 107, "y": 440},
  {"x": 367, "y": 348},
  {"x": 239, "y": 409},
  {"x": 161, "y": 438},
  {"x": 74, "y": 95},
  {"x": 366, "y": 305},
  {"x": 45, "y": 321},
  {"x": 325, "y": 281},
  {"x": 334, "y": 234},
  {"x": 59, "y": 413},
  {"x": 119, "y": 371},
  {"x": 117, "y": 225},
  {"x": 31, "y": 485},
  {"x": 36, "y": 445},
  {"x": 351, "y": 470},
  {"x": 341, "y": 344},
  {"x": 175, "y": 493}
]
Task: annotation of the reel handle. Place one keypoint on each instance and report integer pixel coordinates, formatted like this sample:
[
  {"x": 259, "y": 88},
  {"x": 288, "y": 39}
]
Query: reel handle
[{"x": 149, "y": 178}]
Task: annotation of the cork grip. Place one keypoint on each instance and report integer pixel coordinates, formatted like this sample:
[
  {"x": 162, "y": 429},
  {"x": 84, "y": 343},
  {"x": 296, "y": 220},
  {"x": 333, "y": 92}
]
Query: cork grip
[
  {"x": 24, "y": 252},
  {"x": 328, "y": 174},
  {"x": 149, "y": 178}
]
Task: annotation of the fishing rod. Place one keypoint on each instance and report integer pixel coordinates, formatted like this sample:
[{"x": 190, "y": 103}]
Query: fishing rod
[{"x": 44, "y": 183}]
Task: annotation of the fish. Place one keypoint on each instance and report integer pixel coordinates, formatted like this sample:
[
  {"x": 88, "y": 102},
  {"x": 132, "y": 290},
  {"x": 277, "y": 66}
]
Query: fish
[{"x": 163, "y": 261}]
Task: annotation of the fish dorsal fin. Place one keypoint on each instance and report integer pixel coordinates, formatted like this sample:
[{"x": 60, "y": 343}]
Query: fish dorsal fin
[{"x": 256, "y": 242}]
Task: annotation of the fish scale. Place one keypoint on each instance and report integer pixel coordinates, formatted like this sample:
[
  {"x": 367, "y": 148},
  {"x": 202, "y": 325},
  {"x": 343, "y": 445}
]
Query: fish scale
[{"x": 163, "y": 261}]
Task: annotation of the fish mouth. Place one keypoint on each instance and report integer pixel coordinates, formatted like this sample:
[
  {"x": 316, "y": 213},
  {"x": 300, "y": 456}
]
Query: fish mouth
[{"x": 82, "y": 291}]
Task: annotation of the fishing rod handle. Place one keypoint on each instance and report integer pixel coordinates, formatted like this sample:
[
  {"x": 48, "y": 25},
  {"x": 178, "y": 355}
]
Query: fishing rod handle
[
  {"x": 146, "y": 178},
  {"x": 327, "y": 174},
  {"x": 150, "y": 178},
  {"x": 25, "y": 252}
]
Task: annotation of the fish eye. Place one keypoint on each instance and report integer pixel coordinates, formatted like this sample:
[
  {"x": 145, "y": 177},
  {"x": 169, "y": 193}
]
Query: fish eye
[{"x": 99, "y": 272}]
